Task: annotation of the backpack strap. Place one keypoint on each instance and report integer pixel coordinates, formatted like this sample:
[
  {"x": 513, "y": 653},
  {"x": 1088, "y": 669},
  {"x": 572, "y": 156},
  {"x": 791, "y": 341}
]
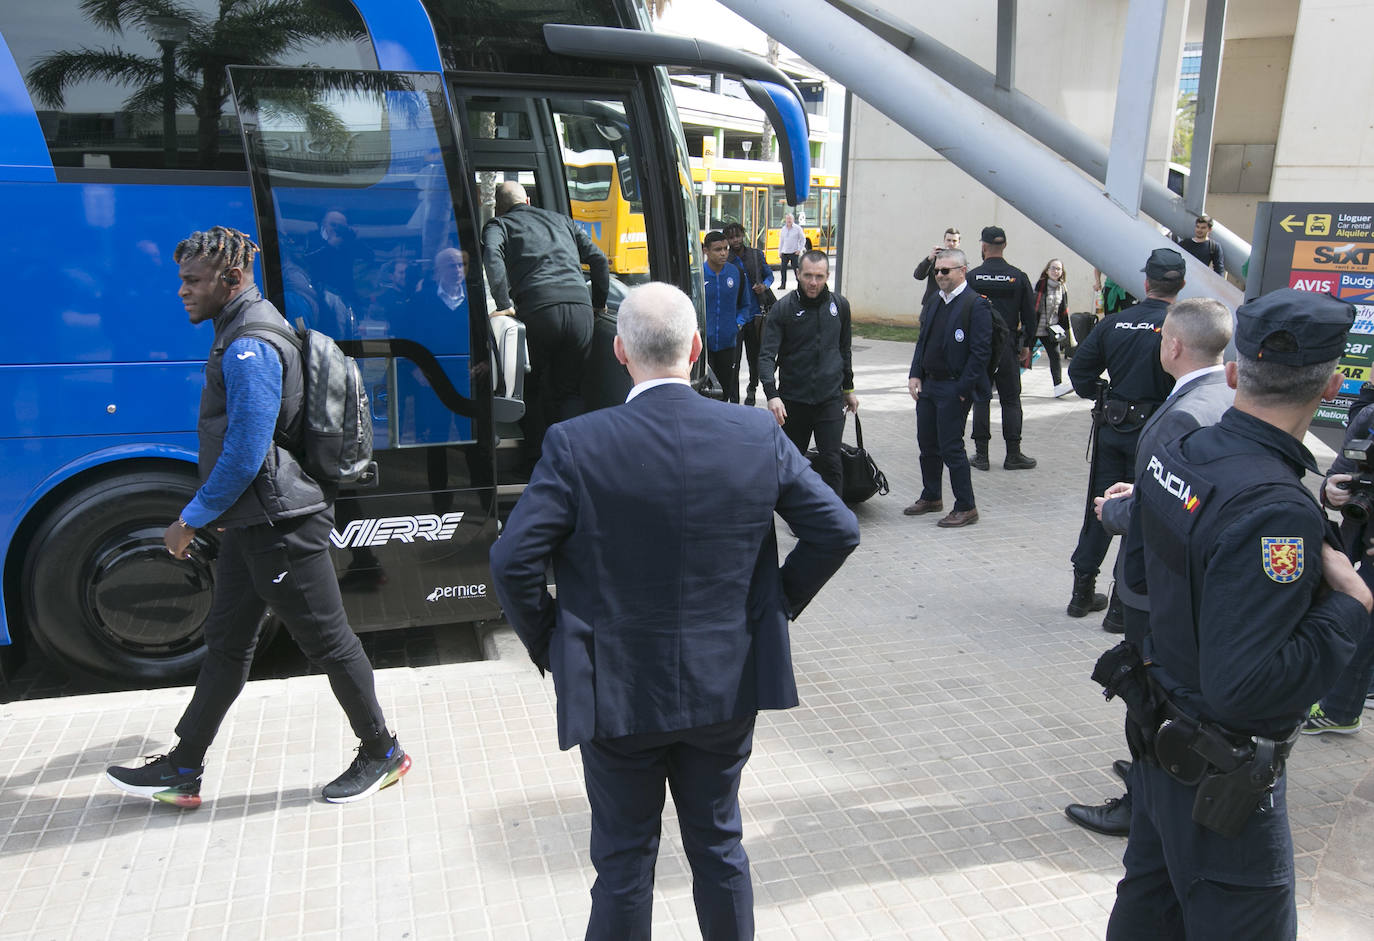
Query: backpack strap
[{"x": 279, "y": 434}]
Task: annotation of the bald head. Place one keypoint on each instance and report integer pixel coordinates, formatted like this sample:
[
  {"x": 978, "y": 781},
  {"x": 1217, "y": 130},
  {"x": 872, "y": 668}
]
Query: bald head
[
  {"x": 508, "y": 195},
  {"x": 655, "y": 330}
]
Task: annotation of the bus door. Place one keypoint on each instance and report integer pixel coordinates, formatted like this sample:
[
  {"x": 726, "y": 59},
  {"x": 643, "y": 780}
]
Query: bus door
[
  {"x": 756, "y": 217},
  {"x": 366, "y": 237},
  {"x": 546, "y": 141}
]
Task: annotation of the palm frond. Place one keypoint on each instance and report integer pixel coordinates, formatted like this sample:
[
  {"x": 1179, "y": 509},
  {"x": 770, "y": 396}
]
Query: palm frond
[{"x": 52, "y": 75}]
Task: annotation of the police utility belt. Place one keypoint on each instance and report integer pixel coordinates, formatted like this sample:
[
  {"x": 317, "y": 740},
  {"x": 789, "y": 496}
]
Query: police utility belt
[
  {"x": 1233, "y": 772},
  {"x": 1126, "y": 415}
]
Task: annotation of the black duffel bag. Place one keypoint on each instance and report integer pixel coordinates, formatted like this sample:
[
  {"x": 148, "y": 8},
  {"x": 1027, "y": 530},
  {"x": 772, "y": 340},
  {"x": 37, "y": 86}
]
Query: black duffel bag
[{"x": 860, "y": 476}]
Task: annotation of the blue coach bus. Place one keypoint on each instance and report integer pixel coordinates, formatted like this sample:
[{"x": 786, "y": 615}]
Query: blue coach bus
[{"x": 360, "y": 142}]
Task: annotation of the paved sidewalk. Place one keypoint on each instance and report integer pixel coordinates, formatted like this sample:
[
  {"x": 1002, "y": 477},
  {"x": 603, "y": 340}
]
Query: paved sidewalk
[{"x": 918, "y": 791}]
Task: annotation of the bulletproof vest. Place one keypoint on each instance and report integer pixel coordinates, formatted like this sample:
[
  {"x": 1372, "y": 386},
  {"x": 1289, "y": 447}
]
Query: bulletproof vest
[
  {"x": 1002, "y": 284},
  {"x": 1182, "y": 507},
  {"x": 281, "y": 489},
  {"x": 1130, "y": 347}
]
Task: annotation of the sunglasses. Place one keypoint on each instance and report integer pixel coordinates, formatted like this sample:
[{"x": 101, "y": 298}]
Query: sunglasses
[{"x": 945, "y": 271}]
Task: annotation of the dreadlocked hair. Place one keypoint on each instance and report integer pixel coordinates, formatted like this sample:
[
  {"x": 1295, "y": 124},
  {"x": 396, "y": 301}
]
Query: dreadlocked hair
[{"x": 228, "y": 248}]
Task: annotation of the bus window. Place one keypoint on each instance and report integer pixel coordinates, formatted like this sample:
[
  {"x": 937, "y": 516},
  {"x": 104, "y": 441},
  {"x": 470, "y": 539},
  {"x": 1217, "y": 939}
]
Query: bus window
[
  {"x": 600, "y": 166},
  {"x": 353, "y": 199},
  {"x": 98, "y": 89}
]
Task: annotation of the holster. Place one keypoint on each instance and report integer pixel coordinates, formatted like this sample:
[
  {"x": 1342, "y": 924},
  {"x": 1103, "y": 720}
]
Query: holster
[{"x": 1231, "y": 779}]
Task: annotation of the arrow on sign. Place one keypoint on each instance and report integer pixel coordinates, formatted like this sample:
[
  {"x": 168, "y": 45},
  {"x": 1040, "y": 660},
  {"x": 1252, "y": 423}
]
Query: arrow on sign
[{"x": 1290, "y": 223}]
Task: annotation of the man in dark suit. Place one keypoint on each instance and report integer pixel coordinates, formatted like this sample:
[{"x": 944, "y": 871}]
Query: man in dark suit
[
  {"x": 669, "y": 631},
  {"x": 1192, "y": 340},
  {"x": 949, "y": 372}
]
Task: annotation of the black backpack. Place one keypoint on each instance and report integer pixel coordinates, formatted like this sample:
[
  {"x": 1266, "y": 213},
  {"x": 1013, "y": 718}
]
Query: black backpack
[
  {"x": 1001, "y": 336},
  {"x": 336, "y": 424}
]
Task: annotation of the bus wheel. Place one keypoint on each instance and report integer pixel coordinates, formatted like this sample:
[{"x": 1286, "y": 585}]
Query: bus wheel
[{"x": 102, "y": 595}]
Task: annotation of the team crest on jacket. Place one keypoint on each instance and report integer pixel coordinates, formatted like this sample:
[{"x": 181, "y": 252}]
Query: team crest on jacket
[
  {"x": 729, "y": 282},
  {"x": 834, "y": 311},
  {"x": 1282, "y": 557},
  {"x": 958, "y": 335}
]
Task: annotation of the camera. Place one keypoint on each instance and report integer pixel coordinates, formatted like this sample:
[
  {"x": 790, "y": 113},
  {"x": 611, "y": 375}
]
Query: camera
[{"x": 1361, "y": 484}]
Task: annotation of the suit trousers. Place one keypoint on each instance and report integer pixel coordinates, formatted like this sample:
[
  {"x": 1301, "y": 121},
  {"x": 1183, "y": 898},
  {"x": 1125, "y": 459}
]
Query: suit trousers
[
  {"x": 559, "y": 338},
  {"x": 625, "y": 778},
  {"x": 940, "y": 419},
  {"x": 285, "y": 565},
  {"x": 826, "y": 422},
  {"x": 1115, "y": 462},
  {"x": 1171, "y": 890},
  {"x": 1007, "y": 381}
]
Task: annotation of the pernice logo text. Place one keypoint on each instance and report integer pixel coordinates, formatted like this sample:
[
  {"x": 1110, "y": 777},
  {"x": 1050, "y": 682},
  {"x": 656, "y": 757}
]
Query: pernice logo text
[
  {"x": 457, "y": 591},
  {"x": 376, "y": 532}
]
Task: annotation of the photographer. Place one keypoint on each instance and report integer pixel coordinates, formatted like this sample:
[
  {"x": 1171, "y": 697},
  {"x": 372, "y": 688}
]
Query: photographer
[{"x": 1350, "y": 488}]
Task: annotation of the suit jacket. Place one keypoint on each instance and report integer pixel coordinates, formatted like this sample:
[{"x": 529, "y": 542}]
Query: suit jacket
[
  {"x": 1201, "y": 402},
  {"x": 672, "y": 610},
  {"x": 966, "y": 350}
]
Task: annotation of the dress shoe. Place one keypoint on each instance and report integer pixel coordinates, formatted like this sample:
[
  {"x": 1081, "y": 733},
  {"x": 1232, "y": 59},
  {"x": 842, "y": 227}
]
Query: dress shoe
[
  {"x": 980, "y": 459},
  {"x": 924, "y": 506},
  {"x": 1121, "y": 767},
  {"x": 1110, "y": 819},
  {"x": 1018, "y": 461},
  {"x": 959, "y": 518}
]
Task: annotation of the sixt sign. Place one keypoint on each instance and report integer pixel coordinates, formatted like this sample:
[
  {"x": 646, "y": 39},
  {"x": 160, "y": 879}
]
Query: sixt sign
[{"x": 379, "y": 531}]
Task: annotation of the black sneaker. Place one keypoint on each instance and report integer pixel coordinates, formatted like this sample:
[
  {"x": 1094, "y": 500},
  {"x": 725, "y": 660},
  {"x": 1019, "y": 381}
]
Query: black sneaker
[
  {"x": 367, "y": 775},
  {"x": 979, "y": 461},
  {"x": 160, "y": 779}
]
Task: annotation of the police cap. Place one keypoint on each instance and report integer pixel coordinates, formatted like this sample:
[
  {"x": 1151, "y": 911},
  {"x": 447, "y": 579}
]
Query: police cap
[
  {"x": 993, "y": 235},
  {"x": 1295, "y": 328},
  {"x": 1164, "y": 264}
]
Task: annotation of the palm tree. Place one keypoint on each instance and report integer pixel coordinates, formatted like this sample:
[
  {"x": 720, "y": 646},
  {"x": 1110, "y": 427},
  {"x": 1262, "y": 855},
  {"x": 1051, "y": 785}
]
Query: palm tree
[{"x": 246, "y": 32}]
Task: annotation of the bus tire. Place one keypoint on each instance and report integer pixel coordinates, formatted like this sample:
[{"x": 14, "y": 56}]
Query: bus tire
[{"x": 103, "y": 597}]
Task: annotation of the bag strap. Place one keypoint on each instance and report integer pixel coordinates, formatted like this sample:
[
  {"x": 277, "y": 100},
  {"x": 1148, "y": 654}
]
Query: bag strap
[
  {"x": 858, "y": 431},
  {"x": 247, "y": 330}
]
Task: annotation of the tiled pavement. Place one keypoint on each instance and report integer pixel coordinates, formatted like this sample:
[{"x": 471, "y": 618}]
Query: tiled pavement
[{"x": 946, "y": 719}]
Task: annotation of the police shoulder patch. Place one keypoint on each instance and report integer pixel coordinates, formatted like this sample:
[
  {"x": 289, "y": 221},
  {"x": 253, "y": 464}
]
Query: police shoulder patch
[{"x": 1281, "y": 557}]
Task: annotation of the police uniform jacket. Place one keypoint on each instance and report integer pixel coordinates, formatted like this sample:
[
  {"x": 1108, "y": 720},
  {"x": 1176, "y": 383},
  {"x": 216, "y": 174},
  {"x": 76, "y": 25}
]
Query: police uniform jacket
[
  {"x": 963, "y": 328},
  {"x": 809, "y": 340},
  {"x": 1241, "y": 631},
  {"x": 1126, "y": 345},
  {"x": 1012, "y": 295}
]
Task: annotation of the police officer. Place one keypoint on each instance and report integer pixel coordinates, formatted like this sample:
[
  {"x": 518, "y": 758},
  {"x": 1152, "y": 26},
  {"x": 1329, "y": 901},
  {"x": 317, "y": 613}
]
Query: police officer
[
  {"x": 1012, "y": 295},
  {"x": 1252, "y": 617},
  {"x": 1126, "y": 345}
]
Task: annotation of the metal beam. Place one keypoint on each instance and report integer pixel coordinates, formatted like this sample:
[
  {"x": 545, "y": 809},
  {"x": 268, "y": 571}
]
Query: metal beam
[
  {"x": 973, "y": 138},
  {"x": 1006, "y": 44},
  {"x": 1135, "y": 100},
  {"x": 1209, "y": 77},
  {"x": 1031, "y": 117}
]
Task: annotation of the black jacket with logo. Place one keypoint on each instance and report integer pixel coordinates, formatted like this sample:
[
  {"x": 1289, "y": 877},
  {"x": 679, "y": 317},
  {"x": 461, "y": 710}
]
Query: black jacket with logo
[
  {"x": 1011, "y": 294},
  {"x": 809, "y": 341},
  {"x": 1126, "y": 345}
]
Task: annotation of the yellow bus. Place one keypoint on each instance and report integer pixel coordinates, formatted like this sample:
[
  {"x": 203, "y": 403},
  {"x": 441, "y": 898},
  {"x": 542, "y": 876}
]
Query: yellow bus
[
  {"x": 606, "y": 204},
  {"x": 750, "y": 192}
]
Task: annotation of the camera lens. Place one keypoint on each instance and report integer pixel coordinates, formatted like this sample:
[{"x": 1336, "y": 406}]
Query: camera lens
[{"x": 1359, "y": 508}]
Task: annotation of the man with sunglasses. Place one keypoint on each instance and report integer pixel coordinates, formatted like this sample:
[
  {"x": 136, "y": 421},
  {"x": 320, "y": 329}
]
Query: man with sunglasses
[{"x": 949, "y": 372}]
